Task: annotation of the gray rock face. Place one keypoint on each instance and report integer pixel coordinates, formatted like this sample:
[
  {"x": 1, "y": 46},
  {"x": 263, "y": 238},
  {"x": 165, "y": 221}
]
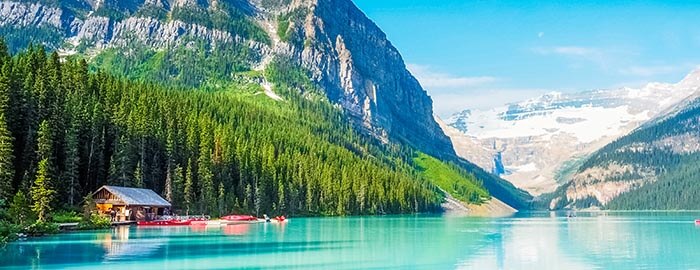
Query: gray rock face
[
  {"x": 25, "y": 14},
  {"x": 345, "y": 51},
  {"x": 104, "y": 33},
  {"x": 361, "y": 70}
]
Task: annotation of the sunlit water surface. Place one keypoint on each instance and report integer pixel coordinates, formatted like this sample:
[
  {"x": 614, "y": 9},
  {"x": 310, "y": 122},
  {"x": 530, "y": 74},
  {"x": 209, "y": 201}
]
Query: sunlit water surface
[{"x": 658, "y": 240}]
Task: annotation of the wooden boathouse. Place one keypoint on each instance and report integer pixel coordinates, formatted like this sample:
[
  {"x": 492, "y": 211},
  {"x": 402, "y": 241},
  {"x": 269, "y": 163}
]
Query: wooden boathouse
[{"x": 130, "y": 204}]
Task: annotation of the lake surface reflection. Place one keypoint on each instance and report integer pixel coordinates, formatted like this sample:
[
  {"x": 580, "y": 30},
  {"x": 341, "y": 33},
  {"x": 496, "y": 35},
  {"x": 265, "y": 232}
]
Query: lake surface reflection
[{"x": 606, "y": 240}]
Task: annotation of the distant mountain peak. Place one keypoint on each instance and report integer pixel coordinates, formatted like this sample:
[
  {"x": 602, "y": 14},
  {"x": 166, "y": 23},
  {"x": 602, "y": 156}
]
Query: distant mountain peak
[
  {"x": 692, "y": 79},
  {"x": 541, "y": 134}
]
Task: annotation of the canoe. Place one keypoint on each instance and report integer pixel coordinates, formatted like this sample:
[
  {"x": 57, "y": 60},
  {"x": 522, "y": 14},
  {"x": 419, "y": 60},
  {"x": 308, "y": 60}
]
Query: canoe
[
  {"x": 198, "y": 220},
  {"x": 172, "y": 222},
  {"x": 697, "y": 222},
  {"x": 234, "y": 222},
  {"x": 239, "y": 218},
  {"x": 280, "y": 219}
]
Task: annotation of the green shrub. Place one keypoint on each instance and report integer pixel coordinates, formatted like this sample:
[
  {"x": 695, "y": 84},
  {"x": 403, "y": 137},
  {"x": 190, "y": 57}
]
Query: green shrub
[
  {"x": 66, "y": 217},
  {"x": 95, "y": 222},
  {"x": 41, "y": 228},
  {"x": 8, "y": 231},
  {"x": 19, "y": 212}
]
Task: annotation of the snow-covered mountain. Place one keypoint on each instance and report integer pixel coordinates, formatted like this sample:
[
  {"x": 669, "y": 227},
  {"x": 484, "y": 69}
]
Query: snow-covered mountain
[{"x": 536, "y": 144}]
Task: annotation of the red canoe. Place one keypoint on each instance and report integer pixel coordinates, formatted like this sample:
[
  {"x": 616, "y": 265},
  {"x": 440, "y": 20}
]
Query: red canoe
[
  {"x": 172, "y": 222},
  {"x": 697, "y": 222},
  {"x": 239, "y": 218},
  {"x": 281, "y": 219}
]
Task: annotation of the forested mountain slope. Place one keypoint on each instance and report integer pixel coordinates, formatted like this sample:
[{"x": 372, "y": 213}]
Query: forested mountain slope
[
  {"x": 208, "y": 43},
  {"x": 315, "y": 49},
  {"x": 654, "y": 167},
  {"x": 208, "y": 152}
]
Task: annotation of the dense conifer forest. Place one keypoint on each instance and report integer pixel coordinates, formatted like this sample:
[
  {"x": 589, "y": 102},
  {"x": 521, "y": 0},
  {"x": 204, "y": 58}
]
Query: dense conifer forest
[{"x": 65, "y": 131}]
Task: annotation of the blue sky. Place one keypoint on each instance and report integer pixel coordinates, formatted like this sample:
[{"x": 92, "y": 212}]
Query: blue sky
[{"x": 479, "y": 54}]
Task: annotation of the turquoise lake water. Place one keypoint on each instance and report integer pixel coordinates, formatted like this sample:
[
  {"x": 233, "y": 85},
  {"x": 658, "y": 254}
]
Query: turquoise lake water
[{"x": 605, "y": 240}]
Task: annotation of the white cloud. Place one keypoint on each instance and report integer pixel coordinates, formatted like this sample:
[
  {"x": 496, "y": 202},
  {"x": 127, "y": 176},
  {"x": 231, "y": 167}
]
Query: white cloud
[
  {"x": 451, "y": 93},
  {"x": 647, "y": 71},
  {"x": 575, "y": 51},
  {"x": 431, "y": 79},
  {"x": 446, "y": 104}
]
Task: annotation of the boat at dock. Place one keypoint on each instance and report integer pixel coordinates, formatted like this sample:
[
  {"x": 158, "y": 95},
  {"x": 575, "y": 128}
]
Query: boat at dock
[
  {"x": 239, "y": 219},
  {"x": 175, "y": 221},
  {"x": 161, "y": 222},
  {"x": 279, "y": 219}
]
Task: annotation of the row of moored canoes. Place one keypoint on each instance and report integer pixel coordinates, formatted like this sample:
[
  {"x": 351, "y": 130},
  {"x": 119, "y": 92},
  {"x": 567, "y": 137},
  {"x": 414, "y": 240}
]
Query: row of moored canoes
[{"x": 205, "y": 221}]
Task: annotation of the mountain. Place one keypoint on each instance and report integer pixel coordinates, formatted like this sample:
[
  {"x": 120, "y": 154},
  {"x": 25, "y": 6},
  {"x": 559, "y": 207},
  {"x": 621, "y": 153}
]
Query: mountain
[
  {"x": 654, "y": 167},
  {"x": 325, "y": 51},
  {"x": 342, "y": 49},
  {"x": 538, "y": 144}
]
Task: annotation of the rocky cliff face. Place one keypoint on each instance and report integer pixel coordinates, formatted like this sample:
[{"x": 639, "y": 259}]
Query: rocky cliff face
[
  {"x": 360, "y": 69},
  {"x": 345, "y": 52}
]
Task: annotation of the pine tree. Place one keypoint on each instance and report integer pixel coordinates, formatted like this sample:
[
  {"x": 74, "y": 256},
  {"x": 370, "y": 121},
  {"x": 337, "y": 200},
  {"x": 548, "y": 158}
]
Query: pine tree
[
  {"x": 4, "y": 52},
  {"x": 45, "y": 144},
  {"x": 19, "y": 211},
  {"x": 41, "y": 192},
  {"x": 204, "y": 167},
  {"x": 189, "y": 187},
  {"x": 258, "y": 200},
  {"x": 169, "y": 148},
  {"x": 7, "y": 168},
  {"x": 138, "y": 176},
  {"x": 222, "y": 199},
  {"x": 281, "y": 199},
  {"x": 168, "y": 188},
  {"x": 72, "y": 163},
  {"x": 7, "y": 158},
  {"x": 119, "y": 173},
  {"x": 178, "y": 187},
  {"x": 247, "y": 197}
]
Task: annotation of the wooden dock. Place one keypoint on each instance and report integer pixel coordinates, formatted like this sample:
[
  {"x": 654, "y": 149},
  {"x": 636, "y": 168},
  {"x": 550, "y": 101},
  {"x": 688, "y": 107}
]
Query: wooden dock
[
  {"x": 123, "y": 223},
  {"x": 74, "y": 225},
  {"x": 68, "y": 226}
]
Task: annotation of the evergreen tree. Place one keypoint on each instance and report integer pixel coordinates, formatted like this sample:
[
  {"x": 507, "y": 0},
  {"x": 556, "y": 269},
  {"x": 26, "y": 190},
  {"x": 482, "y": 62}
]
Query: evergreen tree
[
  {"x": 72, "y": 164},
  {"x": 138, "y": 176},
  {"x": 178, "y": 187},
  {"x": 221, "y": 200},
  {"x": 247, "y": 197},
  {"x": 7, "y": 158},
  {"x": 41, "y": 192},
  {"x": 189, "y": 187},
  {"x": 19, "y": 211},
  {"x": 7, "y": 170},
  {"x": 45, "y": 144},
  {"x": 119, "y": 173},
  {"x": 204, "y": 167}
]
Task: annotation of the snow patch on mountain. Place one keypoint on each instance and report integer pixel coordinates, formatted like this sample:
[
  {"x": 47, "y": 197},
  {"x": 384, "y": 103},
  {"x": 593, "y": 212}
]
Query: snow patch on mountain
[
  {"x": 538, "y": 139},
  {"x": 585, "y": 123}
]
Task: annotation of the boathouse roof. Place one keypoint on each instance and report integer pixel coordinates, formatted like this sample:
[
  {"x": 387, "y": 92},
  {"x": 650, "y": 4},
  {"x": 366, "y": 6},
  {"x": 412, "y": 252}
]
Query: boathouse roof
[{"x": 136, "y": 196}]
